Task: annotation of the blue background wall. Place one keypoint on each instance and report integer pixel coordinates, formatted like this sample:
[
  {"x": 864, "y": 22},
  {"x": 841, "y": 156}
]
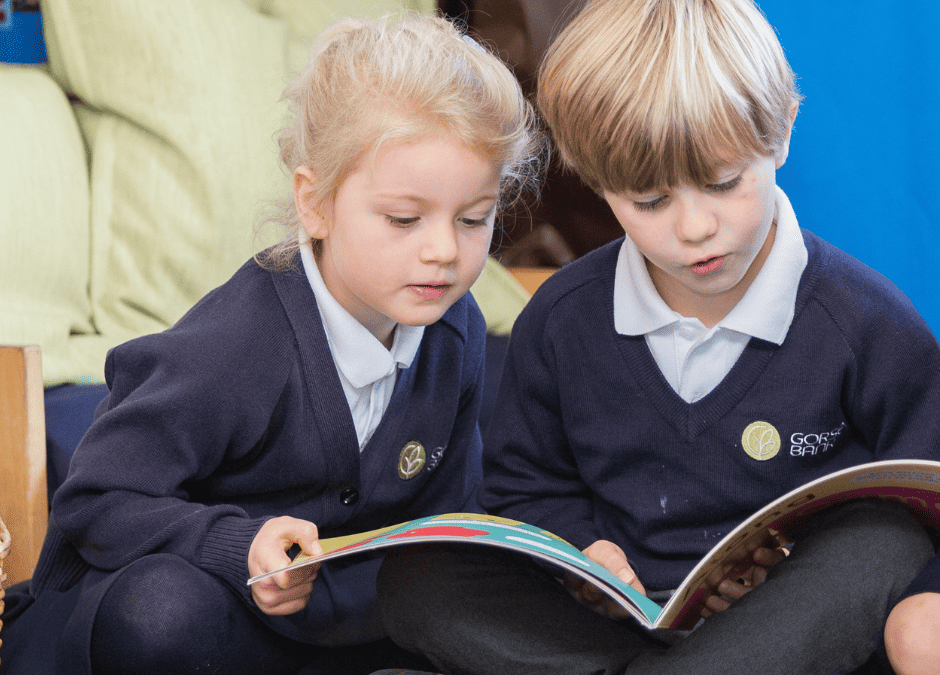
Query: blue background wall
[{"x": 864, "y": 165}]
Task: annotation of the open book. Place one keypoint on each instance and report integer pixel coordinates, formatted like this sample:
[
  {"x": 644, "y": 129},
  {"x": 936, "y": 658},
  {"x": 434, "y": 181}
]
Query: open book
[{"x": 913, "y": 483}]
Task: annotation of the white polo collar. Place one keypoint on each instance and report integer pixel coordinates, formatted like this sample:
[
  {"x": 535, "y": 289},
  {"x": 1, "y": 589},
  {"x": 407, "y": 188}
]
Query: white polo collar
[{"x": 361, "y": 357}]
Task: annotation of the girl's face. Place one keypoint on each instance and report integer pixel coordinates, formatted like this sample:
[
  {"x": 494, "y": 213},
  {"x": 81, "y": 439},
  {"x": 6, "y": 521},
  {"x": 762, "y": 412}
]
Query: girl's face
[
  {"x": 406, "y": 236},
  {"x": 704, "y": 246}
]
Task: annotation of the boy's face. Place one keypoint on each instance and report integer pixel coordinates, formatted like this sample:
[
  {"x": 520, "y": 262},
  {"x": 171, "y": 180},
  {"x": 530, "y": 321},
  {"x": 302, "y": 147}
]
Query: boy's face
[
  {"x": 407, "y": 235},
  {"x": 704, "y": 246}
]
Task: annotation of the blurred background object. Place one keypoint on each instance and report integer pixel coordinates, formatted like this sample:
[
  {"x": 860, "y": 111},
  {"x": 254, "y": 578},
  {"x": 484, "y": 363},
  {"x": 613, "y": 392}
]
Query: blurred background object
[{"x": 21, "y": 39}]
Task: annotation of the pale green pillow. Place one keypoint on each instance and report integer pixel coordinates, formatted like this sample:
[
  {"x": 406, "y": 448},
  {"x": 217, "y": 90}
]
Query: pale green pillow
[
  {"x": 43, "y": 221},
  {"x": 184, "y": 102},
  {"x": 183, "y": 107},
  {"x": 183, "y": 154}
]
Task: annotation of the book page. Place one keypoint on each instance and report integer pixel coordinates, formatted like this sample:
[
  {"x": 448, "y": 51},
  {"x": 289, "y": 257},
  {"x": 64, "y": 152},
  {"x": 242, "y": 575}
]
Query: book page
[
  {"x": 486, "y": 530},
  {"x": 913, "y": 483}
]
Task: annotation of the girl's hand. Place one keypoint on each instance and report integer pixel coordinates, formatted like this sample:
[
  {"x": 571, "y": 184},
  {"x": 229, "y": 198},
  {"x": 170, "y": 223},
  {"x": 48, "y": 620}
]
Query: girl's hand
[
  {"x": 612, "y": 558},
  {"x": 287, "y": 592}
]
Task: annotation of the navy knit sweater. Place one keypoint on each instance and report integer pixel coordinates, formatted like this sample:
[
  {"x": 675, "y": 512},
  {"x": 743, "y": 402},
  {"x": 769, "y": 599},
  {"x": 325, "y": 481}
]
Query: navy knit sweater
[
  {"x": 237, "y": 415},
  {"x": 589, "y": 440}
]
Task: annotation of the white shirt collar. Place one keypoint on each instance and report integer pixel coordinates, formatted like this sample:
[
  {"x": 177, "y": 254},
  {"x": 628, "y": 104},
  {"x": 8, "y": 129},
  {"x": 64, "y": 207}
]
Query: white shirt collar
[
  {"x": 766, "y": 310},
  {"x": 360, "y": 356}
]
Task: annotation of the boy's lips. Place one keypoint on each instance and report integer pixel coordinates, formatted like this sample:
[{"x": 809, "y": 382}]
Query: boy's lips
[
  {"x": 430, "y": 291},
  {"x": 708, "y": 266}
]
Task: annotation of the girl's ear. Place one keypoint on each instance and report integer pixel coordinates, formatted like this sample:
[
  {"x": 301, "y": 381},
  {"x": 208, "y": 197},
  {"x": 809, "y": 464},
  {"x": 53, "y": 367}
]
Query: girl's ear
[{"x": 308, "y": 203}]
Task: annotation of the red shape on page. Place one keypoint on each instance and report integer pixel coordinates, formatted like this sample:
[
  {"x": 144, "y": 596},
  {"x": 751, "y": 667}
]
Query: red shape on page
[{"x": 442, "y": 530}]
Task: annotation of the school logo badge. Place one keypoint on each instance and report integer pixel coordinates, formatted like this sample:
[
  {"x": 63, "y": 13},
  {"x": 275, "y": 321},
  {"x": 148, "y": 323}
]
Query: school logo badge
[
  {"x": 411, "y": 460},
  {"x": 761, "y": 440}
]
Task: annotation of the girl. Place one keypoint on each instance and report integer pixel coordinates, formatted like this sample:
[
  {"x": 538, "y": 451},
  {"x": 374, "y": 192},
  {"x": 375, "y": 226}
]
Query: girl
[{"x": 330, "y": 387}]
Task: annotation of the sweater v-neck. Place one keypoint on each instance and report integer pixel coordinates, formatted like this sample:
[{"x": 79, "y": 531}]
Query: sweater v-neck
[{"x": 692, "y": 419}]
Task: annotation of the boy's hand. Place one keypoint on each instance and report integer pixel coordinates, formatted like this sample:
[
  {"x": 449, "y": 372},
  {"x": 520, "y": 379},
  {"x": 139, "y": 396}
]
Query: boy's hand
[
  {"x": 287, "y": 592},
  {"x": 763, "y": 558},
  {"x": 612, "y": 558}
]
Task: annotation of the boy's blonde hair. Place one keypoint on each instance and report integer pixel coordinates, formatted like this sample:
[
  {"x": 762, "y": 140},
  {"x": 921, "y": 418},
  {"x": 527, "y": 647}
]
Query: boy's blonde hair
[
  {"x": 646, "y": 94},
  {"x": 400, "y": 79}
]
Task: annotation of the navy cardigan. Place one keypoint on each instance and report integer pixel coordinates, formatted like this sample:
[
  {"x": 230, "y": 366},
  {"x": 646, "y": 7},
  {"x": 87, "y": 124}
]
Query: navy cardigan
[{"x": 236, "y": 415}]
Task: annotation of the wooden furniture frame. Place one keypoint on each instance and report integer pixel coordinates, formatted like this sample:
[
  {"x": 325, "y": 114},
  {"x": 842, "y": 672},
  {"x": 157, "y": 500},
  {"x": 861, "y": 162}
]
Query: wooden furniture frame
[
  {"x": 5, "y": 542},
  {"x": 23, "y": 499}
]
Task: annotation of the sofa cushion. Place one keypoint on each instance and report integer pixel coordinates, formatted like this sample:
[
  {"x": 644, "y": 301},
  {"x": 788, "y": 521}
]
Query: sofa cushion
[
  {"x": 43, "y": 220},
  {"x": 182, "y": 112}
]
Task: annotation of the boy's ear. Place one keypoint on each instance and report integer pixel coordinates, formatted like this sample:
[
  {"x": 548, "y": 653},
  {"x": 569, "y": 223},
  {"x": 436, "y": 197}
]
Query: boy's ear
[
  {"x": 785, "y": 148},
  {"x": 308, "y": 203}
]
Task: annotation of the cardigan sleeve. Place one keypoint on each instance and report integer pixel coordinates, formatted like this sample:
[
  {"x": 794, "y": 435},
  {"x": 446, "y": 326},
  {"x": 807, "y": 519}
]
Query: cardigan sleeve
[
  {"x": 180, "y": 405},
  {"x": 529, "y": 469}
]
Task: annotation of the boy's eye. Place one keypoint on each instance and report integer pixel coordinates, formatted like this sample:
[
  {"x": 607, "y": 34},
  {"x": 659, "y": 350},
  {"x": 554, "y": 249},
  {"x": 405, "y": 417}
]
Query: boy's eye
[
  {"x": 650, "y": 205},
  {"x": 727, "y": 186},
  {"x": 399, "y": 221}
]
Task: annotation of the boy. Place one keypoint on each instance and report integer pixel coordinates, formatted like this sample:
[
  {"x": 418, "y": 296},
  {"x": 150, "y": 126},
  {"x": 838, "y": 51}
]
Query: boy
[{"x": 636, "y": 374}]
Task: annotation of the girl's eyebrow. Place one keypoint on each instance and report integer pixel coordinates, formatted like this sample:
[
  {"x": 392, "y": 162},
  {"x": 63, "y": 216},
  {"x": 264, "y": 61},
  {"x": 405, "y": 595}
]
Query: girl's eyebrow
[{"x": 395, "y": 196}]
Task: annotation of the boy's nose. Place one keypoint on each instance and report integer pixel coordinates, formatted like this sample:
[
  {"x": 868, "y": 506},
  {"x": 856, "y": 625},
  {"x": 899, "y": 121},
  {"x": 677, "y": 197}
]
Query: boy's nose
[
  {"x": 440, "y": 243},
  {"x": 695, "y": 222}
]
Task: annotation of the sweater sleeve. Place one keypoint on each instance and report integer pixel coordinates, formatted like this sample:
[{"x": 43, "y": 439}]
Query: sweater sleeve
[
  {"x": 176, "y": 412},
  {"x": 892, "y": 389},
  {"x": 892, "y": 394},
  {"x": 529, "y": 469}
]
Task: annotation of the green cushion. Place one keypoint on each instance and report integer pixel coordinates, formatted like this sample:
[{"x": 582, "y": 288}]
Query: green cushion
[
  {"x": 183, "y": 109},
  {"x": 500, "y": 297},
  {"x": 43, "y": 221}
]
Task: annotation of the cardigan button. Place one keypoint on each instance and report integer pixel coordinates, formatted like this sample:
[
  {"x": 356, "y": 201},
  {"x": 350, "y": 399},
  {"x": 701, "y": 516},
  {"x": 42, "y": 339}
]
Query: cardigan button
[{"x": 349, "y": 496}]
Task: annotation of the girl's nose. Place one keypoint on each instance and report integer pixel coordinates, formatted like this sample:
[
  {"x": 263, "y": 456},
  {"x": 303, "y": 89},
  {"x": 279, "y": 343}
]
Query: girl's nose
[{"x": 440, "y": 243}]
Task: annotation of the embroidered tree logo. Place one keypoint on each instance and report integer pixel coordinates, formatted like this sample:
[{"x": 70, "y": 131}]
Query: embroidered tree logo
[
  {"x": 411, "y": 460},
  {"x": 761, "y": 440}
]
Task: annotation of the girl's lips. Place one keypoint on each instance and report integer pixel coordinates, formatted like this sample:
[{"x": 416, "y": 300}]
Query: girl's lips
[
  {"x": 430, "y": 292},
  {"x": 709, "y": 266}
]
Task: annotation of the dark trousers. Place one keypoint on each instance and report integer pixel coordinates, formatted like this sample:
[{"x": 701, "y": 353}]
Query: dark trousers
[
  {"x": 476, "y": 611},
  {"x": 165, "y": 616}
]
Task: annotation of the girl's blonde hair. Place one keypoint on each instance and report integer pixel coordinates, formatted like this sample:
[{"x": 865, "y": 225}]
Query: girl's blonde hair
[
  {"x": 399, "y": 79},
  {"x": 646, "y": 94}
]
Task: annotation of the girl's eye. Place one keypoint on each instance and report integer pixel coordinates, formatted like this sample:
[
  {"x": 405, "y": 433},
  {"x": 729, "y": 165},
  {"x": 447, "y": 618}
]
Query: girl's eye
[
  {"x": 651, "y": 205},
  {"x": 726, "y": 186},
  {"x": 474, "y": 222},
  {"x": 398, "y": 221}
]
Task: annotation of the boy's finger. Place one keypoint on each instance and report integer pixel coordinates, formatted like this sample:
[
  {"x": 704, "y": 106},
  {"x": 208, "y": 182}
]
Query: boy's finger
[
  {"x": 768, "y": 557},
  {"x": 716, "y": 603},
  {"x": 732, "y": 589}
]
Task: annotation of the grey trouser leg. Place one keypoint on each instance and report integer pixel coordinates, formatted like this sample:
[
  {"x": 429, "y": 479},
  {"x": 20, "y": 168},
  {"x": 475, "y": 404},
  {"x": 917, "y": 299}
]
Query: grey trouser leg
[
  {"x": 471, "y": 610},
  {"x": 480, "y": 612},
  {"x": 822, "y": 610}
]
